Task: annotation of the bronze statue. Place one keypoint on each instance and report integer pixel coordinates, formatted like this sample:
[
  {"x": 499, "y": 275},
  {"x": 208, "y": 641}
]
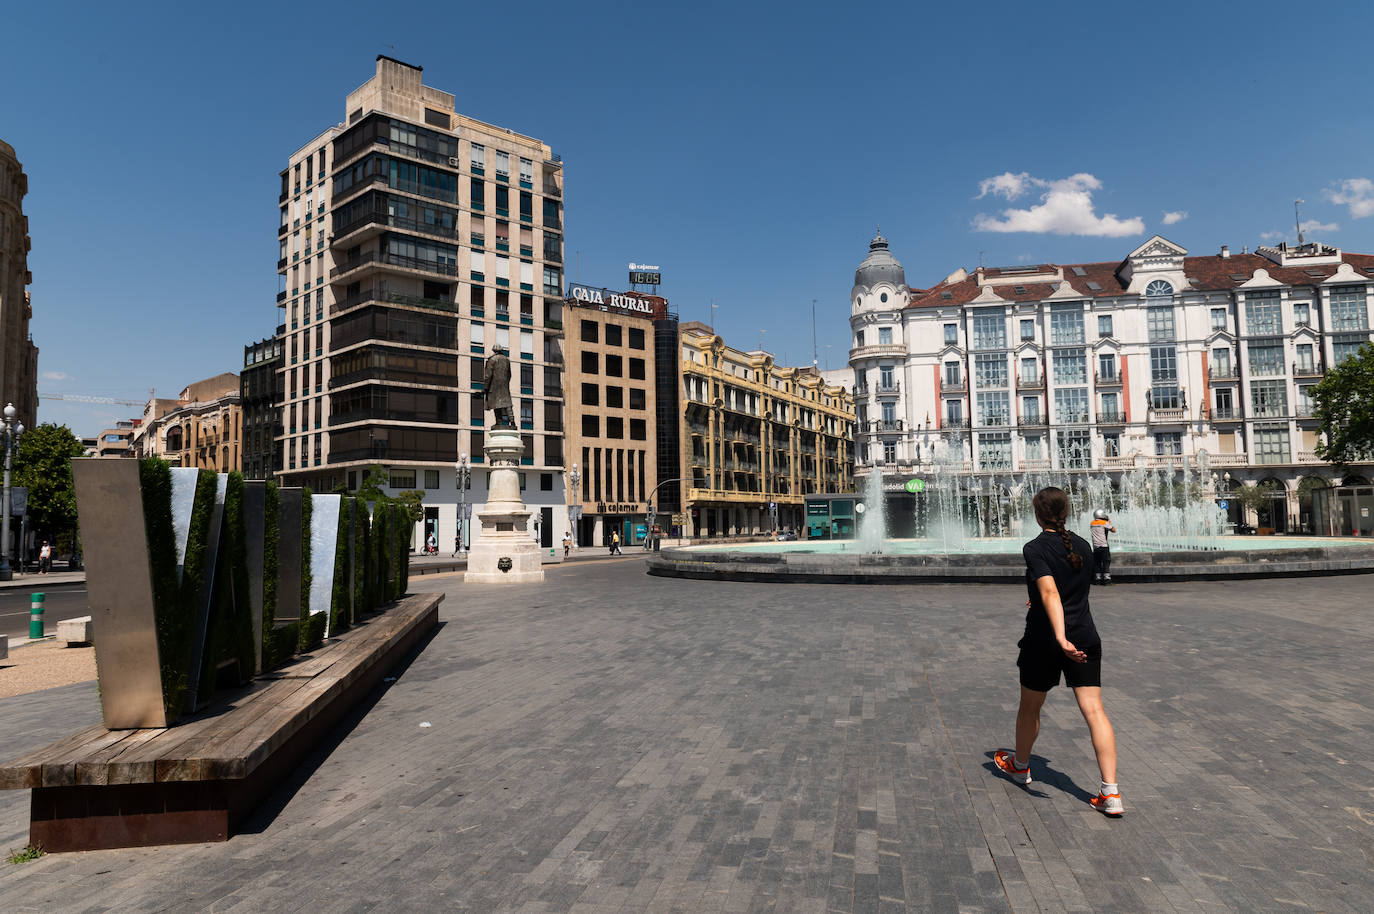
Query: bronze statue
[{"x": 496, "y": 388}]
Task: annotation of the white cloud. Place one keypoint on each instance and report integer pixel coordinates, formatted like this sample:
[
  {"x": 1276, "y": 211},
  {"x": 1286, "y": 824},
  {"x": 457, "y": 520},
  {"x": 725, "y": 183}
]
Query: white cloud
[
  {"x": 56, "y": 376},
  {"x": 1065, "y": 208},
  {"x": 1271, "y": 236},
  {"x": 1357, "y": 193},
  {"x": 1175, "y": 216},
  {"x": 1312, "y": 225}
]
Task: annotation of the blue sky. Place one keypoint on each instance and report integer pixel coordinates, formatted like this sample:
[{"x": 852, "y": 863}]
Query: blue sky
[{"x": 748, "y": 149}]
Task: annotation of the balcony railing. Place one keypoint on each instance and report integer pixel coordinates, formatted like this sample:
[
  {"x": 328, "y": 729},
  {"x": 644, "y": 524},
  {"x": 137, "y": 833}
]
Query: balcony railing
[
  {"x": 957, "y": 385},
  {"x": 395, "y": 298},
  {"x": 878, "y": 426},
  {"x": 1112, "y": 418},
  {"x": 1309, "y": 457},
  {"x": 1229, "y": 460},
  {"x": 1030, "y": 382},
  {"x": 1168, "y": 415},
  {"x": 888, "y": 390},
  {"x": 1035, "y": 463},
  {"x": 954, "y": 425},
  {"x": 380, "y": 217},
  {"x": 1226, "y": 414},
  {"x": 395, "y": 260},
  {"x": 1223, "y": 373},
  {"x": 878, "y": 350},
  {"x": 1107, "y": 379},
  {"x": 1301, "y": 370},
  {"x": 1033, "y": 421}
]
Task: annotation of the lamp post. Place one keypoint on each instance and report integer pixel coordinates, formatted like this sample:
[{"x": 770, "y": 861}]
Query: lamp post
[
  {"x": 10, "y": 430},
  {"x": 575, "y": 503},
  {"x": 464, "y": 476}
]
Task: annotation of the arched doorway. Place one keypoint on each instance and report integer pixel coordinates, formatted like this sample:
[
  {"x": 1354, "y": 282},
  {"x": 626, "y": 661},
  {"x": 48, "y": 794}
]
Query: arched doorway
[
  {"x": 1273, "y": 512},
  {"x": 1307, "y": 522}
]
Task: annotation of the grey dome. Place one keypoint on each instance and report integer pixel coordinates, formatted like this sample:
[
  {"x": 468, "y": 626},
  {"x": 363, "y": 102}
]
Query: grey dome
[{"x": 879, "y": 266}]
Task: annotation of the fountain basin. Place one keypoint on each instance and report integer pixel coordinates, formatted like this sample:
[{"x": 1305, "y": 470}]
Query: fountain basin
[{"x": 999, "y": 561}]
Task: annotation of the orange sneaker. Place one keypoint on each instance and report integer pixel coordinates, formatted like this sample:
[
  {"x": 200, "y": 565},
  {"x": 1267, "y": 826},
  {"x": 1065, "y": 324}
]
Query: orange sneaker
[
  {"x": 1109, "y": 804},
  {"x": 1006, "y": 763}
]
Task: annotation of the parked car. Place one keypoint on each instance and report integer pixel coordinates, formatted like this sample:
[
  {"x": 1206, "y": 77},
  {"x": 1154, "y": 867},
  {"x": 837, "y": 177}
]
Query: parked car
[{"x": 787, "y": 535}]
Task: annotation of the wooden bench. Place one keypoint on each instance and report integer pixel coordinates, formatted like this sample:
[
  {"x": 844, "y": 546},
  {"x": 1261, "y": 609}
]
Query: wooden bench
[{"x": 199, "y": 780}]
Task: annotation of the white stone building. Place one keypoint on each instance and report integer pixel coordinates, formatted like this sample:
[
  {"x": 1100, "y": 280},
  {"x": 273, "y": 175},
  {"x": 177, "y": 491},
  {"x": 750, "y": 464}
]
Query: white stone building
[{"x": 1102, "y": 367}]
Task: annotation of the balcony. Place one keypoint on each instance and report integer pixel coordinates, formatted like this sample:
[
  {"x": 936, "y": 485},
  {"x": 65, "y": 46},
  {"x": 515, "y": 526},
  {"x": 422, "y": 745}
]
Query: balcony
[
  {"x": 887, "y": 390},
  {"x": 1229, "y": 460},
  {"x": 1226, "y": 414},
  {"x": 1107, "y": 379},
  {"x": 395, "y": 260},
  {"x": 954, "y": 425},
  {"x": 379, "y": 220},
  {"x": 382, "y": 296},
  {"x": 879, "y": 426},
  {"x": 953, "y": 385},
  {"x": 1030, "y": 464},
  {"x": 1301, "y": 370},
  {"x": 878, "y": 351},
  {"x": 552, "y": 190},
  {"x": 1309, "y": 457},
  {"x": 281, "y": 296},
  {"x": 1168, "y": 415},
  {"x": 1034, "y": 421},
  {"x": 1112, "y": 418},
  {"x": 1222, "y": 374},
  {"x": 1030, "y": 382}
]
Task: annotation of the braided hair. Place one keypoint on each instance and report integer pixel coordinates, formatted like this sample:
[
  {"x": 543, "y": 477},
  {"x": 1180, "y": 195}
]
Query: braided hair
[{"x": 1051, "y": 510}]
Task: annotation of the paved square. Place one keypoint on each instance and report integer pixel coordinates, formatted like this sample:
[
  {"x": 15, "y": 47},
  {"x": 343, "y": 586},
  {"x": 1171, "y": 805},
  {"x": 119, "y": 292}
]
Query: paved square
[{"x": 615, "y": 742}]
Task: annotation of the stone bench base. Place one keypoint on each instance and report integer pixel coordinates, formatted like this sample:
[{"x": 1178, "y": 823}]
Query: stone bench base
[{"x": 199, "y": 781}]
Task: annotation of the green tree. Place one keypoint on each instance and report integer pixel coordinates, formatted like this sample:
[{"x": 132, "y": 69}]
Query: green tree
[
  {"x": 1345, "y": 409},
  {"x": 1256, "y": 498},
  {"x": 371, "y": 490},
  {"x": 43, "y": 465}
]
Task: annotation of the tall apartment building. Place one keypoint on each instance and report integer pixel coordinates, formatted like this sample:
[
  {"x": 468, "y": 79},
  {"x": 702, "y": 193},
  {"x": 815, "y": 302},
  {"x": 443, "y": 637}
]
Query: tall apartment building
[
  {"x": 18, "y": 354},
  {"x": 261, "y": 388},
  {"x": 414, "y": 242},
  {"x": 1105, "y": 367},
  {"x": 614, "y": 408},
  {"x": 755, "y": 435}
]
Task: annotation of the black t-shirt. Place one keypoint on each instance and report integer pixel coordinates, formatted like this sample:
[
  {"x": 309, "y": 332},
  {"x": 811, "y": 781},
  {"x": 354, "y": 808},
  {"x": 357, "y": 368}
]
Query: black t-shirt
[{"x": 1046, "y": 555}]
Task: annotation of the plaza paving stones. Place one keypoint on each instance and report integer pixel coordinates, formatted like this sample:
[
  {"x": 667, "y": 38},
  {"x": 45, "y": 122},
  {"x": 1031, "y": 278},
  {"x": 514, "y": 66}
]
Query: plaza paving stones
[{"x": 614, "y": 742}]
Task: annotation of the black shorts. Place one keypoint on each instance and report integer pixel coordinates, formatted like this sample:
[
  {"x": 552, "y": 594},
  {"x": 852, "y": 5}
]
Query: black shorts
[{"x": 1042, "y": 665}]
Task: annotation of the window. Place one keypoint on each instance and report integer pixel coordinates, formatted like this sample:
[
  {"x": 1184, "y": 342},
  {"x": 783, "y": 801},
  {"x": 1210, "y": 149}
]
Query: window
[
  {"x": 591, "y": 427},
  {"x": 1266, "y": 358},
  {"x": 889, "y": 452},
  {"x": 1302, "y": 315},
  {"x": 1226, "y": 407},
  {"x": 994, "y": 408},
  {"x": 479, "y": 158},
  {"x": 1307, "y": 405},
  {"x": 502, "y": 164},
  {"x": 1035, "y": 448},
  {"x": 613, "y": 337},
  {"x": 1271, "y": 445},
  {"x": 638, "y": 430},
  {"x": 1030, "y": 371},
  {"x": 1104, "y": 325},
  {"x": 402, "y": 479},
  {"x": 1348, "y": 311},
  {"x": 1071, "y": 404},
  {"x": 1218, "y": 318},
  {"x": 589, "y": 331},
  {"x": 553, "y": 281},
  {"x": 615, "y": 396},
  {"x": 1269, "y": 399},
  {"x": 526, "y": 171},
  {"x": 1262, "y": 314},
  {"x": 1066, "y": 325},
  {"x": 884, "y": 336},
  {"x": 990, "y": 370},
  {"x": 1027, "y": 330},
  {"x": 889, "y": 412},
  {"x": 431, "y": 479},
  {"x": 637, "y": 369},
  {"x": 858, "y": 339},
  {"x": 636, "y": 337},
  {"x": 545, "y": 479},
  {"x": 951, "y": 334},
  {"x": 1167, "y": 443},
  {"x": 1111, "y": 409},
  {"x": 1159, "y": 323},
  {"x": 954, "y": 412},
  {"x": 614, "y": 366},
  {"x": 952, "y": 374},
  {"x": 615, "y": 427},
  {"x": 885, "y": 377},
  {"x": 1221, "y": 363},
  {"x": 1106, "y": 366},
  {"x": 591, "y": 395},
  {"x": 589, "y": 361},
  {"x": 1030, "y": 410},
  {"x": 1070, "y": 366},
  {"x": 1075, "y": 449},
  {"x": 994, "y": 451},
  {"x": 989, "y": 331},
  {"x": 1305, "y": 360},
  {"x": 1159, "y": 289},
  {"x": 1344, "y": 348}
]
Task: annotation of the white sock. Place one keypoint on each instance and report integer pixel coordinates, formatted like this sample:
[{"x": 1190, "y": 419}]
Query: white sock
[{"x": 1108, "y": 789}]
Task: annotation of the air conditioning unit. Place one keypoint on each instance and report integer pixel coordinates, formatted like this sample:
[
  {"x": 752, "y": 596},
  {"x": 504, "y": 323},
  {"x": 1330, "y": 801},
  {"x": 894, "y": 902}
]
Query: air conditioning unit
[{"x": 453, "y": 160}]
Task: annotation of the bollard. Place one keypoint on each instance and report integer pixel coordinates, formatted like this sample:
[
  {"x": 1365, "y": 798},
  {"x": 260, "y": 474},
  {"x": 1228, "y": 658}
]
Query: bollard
[{"x": 36, "y": 615}]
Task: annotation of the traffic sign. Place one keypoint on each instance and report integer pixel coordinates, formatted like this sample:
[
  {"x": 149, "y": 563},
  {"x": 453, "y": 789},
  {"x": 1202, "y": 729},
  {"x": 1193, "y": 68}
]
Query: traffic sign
[
  {"x": 1223, "y": 504},
  {"x": 915, "y": 485}
]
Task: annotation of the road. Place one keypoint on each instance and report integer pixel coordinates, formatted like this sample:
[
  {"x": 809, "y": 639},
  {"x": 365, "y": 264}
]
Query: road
[{"x": 60, "y": 604}]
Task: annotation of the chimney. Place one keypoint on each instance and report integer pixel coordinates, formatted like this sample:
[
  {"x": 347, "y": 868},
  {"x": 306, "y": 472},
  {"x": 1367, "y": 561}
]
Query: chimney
[{"x": 1225, "y": 251}]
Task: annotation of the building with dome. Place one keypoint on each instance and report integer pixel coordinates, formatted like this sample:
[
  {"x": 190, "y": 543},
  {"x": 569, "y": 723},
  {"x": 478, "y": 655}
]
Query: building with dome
[{"x": 1104, "y": 367}]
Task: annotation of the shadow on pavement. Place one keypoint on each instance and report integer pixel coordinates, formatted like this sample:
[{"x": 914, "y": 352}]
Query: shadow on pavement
[{"x": 1042, "y": 773}]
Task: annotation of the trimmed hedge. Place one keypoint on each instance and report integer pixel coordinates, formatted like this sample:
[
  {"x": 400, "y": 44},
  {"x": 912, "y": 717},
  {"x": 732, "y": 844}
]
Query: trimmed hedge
[
  {"x": 229, "y": 634},
  {"x": 312, "y": 627},
  {"x": 278, "y": 643},
  {"x": 381, "y": 568},
  {"x": 359, "y": 581},
  {"x": 340, "y": 618}
]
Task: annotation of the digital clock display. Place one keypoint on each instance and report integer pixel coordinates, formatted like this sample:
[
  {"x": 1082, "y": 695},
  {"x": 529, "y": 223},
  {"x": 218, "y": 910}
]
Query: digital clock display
[{"x": 639, "y": 277}]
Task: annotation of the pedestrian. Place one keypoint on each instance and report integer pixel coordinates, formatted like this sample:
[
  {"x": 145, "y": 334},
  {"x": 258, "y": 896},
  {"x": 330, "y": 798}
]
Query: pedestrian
[
  {"x": 567, "y": 544},
  {"x": 44, "y": 558},
  {"x": 432, "y": 544},
  {"x": 457, "y": 543},
  {"x": 615, "y": 542},
  {"x": 1102, "y": 551},
  {"x": 1060, "y": 640}
]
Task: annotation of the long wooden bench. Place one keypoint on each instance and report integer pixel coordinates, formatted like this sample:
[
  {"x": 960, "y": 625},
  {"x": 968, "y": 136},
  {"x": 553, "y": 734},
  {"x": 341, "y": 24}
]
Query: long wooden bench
[{"x": 199, "y": 780}]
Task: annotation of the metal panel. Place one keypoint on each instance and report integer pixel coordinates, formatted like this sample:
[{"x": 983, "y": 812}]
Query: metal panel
[
  {"x": 184, "y": 481},
  {"x": 119, "y": 585},
  {"x": 255, "y": 529},
  {"x": 289, "y": 502},
  {"x": 324, "y": 543}
]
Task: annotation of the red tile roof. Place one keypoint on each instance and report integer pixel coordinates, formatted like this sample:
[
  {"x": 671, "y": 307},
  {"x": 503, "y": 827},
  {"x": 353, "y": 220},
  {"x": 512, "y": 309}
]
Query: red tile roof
[{"x": 1205, "y": 273}]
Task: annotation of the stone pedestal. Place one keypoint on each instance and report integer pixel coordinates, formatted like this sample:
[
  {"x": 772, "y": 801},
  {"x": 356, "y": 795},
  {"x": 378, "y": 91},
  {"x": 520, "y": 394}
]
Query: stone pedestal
[{"x": 503, "y": 552}]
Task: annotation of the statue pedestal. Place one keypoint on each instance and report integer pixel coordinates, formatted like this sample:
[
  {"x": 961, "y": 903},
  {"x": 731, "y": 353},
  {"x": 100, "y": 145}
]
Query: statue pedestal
[{"x": 503, "y": 552}]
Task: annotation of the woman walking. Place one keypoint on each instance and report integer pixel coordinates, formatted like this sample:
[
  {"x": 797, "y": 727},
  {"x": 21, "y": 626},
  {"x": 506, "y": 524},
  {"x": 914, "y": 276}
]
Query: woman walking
[{"x": 1060, "y": 640}]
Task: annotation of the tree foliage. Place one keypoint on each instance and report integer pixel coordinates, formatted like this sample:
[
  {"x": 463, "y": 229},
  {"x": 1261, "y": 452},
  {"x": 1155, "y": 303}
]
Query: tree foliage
[
  {"x": 43, "y": 465},
  {"x": 1256, "y": 498},
  {"x": 1345, "y": 408}
]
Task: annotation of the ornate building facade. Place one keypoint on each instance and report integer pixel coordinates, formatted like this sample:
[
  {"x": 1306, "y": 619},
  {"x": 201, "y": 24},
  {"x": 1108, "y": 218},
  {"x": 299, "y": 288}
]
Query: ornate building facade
[{"x": 18, "y": 354}]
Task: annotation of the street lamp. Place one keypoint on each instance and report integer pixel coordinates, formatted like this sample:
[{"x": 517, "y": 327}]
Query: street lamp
[
  {"x": 575, "y": 503},
  {"x": 464, "y": 476},
  {"x": 10, "y": 430}
]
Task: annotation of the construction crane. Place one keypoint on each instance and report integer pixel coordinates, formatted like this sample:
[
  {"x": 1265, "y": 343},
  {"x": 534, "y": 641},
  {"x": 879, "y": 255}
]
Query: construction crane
[{"x": 82, "y": 398}]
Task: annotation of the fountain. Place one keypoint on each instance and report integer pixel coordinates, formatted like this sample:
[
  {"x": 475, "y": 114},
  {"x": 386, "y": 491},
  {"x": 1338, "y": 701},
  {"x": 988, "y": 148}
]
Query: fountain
[{"x": 971, "y": 527}]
